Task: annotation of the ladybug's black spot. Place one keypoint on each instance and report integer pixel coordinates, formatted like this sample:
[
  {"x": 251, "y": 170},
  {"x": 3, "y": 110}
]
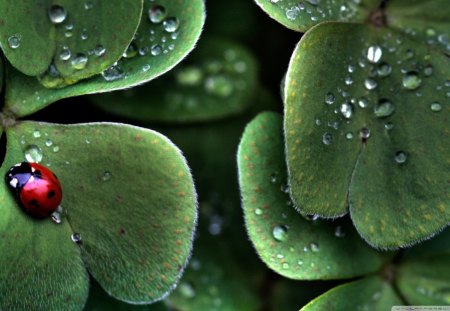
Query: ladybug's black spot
[
  {"x": 50, "y": 194},
  {"x": 34, "y": 203}
]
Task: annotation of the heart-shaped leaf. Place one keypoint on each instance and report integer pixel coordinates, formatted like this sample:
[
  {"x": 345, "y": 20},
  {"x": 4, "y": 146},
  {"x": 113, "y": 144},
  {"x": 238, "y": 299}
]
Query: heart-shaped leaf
[
  {"x": 73, "y": 40},
  {"x": 370, "y": 293},
  {"x": 364, "y": 129},
  {"x": 129, "y": 202},
  {"x": 301, "y": 16},
  {"x": 286, "y": 241},
  {"x": 424, "y": 20},
  {"x": 158, "y": 47},
  {"x": 425, "y": 281},
  {"x": 217, "y": 80}
]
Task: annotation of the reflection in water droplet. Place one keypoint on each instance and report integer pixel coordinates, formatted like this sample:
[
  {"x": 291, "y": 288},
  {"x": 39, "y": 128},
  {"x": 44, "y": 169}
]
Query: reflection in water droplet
[
  {"x": 411, "y": 80},
  {"x": 384, "y": 108},
  {"x": 280, "y": 232},
  {"x": 14, "y": 41},
  {"x": 329, "y": 98},
  {"x": 76, "y": 237},
  {"x": 79, "y": 62},
  {"x": 106, "y": 176},
  {"x": 374, "y": 54},
  {"x": 370, "y": 84},
  {"x": 171, "y": 24},
  {"x": 400, "y": 157},
  {"x": 156, "y": 14},
  {"x": 436, "y": 106},
  {"x": 327, "y": 138},
  {"x": 33, "y": 153},
  {"x": 57, "y": 14}
]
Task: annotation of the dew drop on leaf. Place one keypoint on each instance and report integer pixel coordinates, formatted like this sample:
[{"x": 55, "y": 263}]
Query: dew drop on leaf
[
  {"x": 76, "y": 237},
  {"x": 280, "y": 233},
  {"x": 57, "y": 14},
  {"x": 370, "y": 84},
  {"x": 79, "y": 62},
  {"x": 384, "y": 108},
  {"x": 33, "y": 153},
  {"x": 329, "y": 98},
  {"x": 384, "y": 70},
  {"x": 156, "y": 14},
  {"x": 374, "y": 54},
  {"x": 314, "y": 247},
  {"x": 65, "y": 53},
  {"x": 346, "y": 110},
  {"x": 411, "y": 80},
  {"x": 99, "y": 50},
  {"x": 363, "y": 102},
  {"x": 156, "y": 50},
  {"x": 364, "y": 133},
  {"x": 48, "y": 142},
  {"x": 400, "y": 157},
  {"x": 327, "y": 138},
  {"x": 14, "y": 41},
  {"x": 436, "y": 106},
  {"x": 113, "y": 73},
  {"x": 131, "y": 51},
  {"x": 171, "y": 24},
  {"x": 258, "y": 211},
  {"x": 106, "y": 176}
]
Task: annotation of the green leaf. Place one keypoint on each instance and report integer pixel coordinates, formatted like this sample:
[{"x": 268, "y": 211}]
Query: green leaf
[
  {"x": 369, "y": 293},
  {"x": 427, "y": 21},
  {"x": 41, "y": 30},
  {"x": 302, "y": 16},
  {"x": 99, "y": 300},
  {"x": 426, "y": 281},
  {"x": 129, "y": 194},
  {"x": 394, "y": 179},
  {"x": 289, "y": 243},
  {"x": 217, "y": 80},
  {"x": 25, "y": 95}
]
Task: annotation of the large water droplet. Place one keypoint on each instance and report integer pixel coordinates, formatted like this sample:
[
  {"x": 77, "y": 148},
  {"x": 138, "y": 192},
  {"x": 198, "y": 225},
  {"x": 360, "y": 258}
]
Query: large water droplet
[
  {"x": 436, "y": 106},
  {"x": 219, "y": 85},
  {"x": 33, "y": 153},
  {"x": 79, "y": 62},
  {"x": 14, "y": 41},
  {"x": 156, "y": 14},
  {"x": 280, "y": 232},
  {"x": 57, "y": 14},
  {"x": 400, "y": 157},
  {"x": 411, "y": 80},
  {"x": 171, "y": 24},
  {"x": 374, "y": 54},
  {"x": 384, "y": 108}
]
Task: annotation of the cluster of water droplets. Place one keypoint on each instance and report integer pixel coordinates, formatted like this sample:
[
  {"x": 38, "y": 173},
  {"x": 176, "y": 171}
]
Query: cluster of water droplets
[
  {"x": 158, "y": 39},
  {"x": 318, "y": 10},
  {"x": 220, "y": 77},
  {"x": 343, "y": 103}
]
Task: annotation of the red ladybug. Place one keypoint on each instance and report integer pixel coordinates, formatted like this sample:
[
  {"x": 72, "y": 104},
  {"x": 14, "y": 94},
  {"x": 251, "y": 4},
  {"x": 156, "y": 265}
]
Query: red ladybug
[{"x": 36, "y": 187}]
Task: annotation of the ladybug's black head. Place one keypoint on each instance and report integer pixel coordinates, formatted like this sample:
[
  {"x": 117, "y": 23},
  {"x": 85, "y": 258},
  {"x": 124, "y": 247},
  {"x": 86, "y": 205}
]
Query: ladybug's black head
[{"x": 18, "y": 175}]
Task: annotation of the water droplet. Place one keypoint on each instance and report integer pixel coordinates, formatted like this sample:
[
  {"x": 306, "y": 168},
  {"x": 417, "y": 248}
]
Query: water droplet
[
  {"x": 349, "y": 136},
  {"x": 280, "y": 232},
  {"x": 428, "y": 70},
  {"x": 363, "y": 102},
  {"x": 171, "y": 24},
  {"x": 189, "y": 76},
  {"x": 314, "y": 247},
  {"x": 389, "y": 126},
  {"x": 156, "y": 14},
  {"x": 57, "y": 14},
  {"x": 285, "y": 266},
  {"x": 374, "y": 54},
  {"x": 48, "y": 142},
  {"x": 258, "y": 211},
  {"x": 33, "y": 153},
  {"x": 65, "y": 53},
  {"x": 99, "y": 50},
  {"x": 36, "y": 133},
  {"x": 146, "y": 68},
  {"x": 370, "y": 84},
  {"x": 187, "y": 290},
  {"x": 384, "y": 70},
  {"x": 285, "y": 188},
  {"x": 79, "y": 62},
  {"x": 219, "y": 85},
  {"x": 88, "y": 5},
  {"x": 55, "y": 149},
  {"x": 364, "y": 133},
  {"x": 329, "y": 98},
  {"x": 113, "y": 73},
  {"x": 84, "y": 34},
  {"x": 56, "y": 216},
  {"x": 327, "y": 138},
  {"x": 384, "y": 108},
  {"x": 156, "y": 50},
  {"x": 14, "y": 41},
  {"x": 346, "y": 110},
  {"x": 436, "y": 106},
  {"x": 106, "y": 176},
  {"x": 131, "y": 51},
  {"x": 400, "y": 157},
  {"x": 76, "y": 237},
  {"x": 411, "y": 80},
  {"x": 348, "y": 80}
]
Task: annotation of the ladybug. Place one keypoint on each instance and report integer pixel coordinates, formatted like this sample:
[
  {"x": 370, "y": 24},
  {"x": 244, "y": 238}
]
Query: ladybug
[{"x": 37, "y": 188}]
